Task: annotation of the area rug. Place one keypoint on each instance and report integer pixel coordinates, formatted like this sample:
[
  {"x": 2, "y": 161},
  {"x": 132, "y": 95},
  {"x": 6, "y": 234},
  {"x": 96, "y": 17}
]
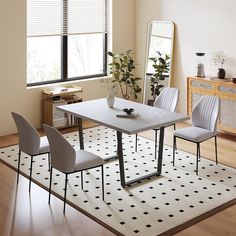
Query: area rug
[{"x": 155, "y": 206}]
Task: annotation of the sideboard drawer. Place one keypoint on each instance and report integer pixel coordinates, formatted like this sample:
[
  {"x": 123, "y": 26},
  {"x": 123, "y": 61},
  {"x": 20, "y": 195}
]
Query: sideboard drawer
[
  {"x": 227, "y": 89},
  {"x": 201, "y": 84}
]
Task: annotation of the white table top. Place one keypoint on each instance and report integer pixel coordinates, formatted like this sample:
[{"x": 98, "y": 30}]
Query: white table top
[{"x": 148, "y": 117}]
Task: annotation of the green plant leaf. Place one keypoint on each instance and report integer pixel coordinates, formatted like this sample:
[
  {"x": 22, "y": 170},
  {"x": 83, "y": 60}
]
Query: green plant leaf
[{"x": 121, "y": 68}]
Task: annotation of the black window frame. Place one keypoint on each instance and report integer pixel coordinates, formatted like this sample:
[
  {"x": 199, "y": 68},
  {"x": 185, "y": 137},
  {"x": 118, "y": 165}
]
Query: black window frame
[{"x": 64, "y": 58}]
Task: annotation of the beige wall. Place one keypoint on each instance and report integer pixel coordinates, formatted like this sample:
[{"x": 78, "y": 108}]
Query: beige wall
[
  {"x": 14, "y": 95},
  {"x": 203, "y": 25}
]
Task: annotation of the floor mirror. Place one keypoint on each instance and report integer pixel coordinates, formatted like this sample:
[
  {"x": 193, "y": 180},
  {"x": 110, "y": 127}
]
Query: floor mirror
[{"x": 160, "y": 40}]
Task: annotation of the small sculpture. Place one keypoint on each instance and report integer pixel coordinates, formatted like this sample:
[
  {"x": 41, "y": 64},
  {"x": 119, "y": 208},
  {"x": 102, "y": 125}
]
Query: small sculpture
[{"x": 128, "y": 110}]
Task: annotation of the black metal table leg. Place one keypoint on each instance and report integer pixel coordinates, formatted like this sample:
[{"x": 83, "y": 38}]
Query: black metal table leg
[
  {"x": 120, "y": 155},
  {"x": 121, "y": 160},
  {"x": 160, "y": 152},
  {"x": 80, "y": 129}
]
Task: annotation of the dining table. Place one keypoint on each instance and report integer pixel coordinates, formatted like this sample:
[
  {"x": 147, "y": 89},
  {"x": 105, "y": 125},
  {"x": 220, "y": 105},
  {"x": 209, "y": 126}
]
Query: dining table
[{"x": 144, "y": 117}]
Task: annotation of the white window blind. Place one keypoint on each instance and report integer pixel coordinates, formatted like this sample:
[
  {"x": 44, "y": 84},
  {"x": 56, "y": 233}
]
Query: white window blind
[{"x": 65, "y": 17}]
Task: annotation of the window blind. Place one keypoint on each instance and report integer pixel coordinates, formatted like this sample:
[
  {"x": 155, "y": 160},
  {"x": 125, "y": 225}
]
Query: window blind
[{"x": 65, "y": 17}]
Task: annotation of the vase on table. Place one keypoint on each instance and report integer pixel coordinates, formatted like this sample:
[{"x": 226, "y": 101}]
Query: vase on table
[
  {"x": 221, "y": 73},
  {"x": 110, "y": 101}
]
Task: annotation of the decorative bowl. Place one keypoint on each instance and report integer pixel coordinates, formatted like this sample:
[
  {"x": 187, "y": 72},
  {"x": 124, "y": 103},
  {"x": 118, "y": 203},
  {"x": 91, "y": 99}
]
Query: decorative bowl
[{"x": 128, "y": 110}]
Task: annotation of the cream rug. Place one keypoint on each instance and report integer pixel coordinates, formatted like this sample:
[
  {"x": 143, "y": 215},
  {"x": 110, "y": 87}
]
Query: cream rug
[{"x": 156, "y": 206}]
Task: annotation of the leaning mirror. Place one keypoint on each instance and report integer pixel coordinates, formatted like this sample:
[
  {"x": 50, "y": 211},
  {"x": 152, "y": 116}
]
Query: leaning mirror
[{"x": 160, "y": 38}]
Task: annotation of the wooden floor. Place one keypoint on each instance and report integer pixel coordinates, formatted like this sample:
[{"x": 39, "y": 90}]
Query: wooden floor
[{"x": 24, "y": 214}]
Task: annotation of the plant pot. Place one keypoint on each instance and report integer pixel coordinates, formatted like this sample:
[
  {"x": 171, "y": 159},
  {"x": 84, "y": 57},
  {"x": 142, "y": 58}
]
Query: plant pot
[
  {"x": 221, "y": 73},
  {"x": 110, "y": 101},
  {"x": 150, "y": 102}
]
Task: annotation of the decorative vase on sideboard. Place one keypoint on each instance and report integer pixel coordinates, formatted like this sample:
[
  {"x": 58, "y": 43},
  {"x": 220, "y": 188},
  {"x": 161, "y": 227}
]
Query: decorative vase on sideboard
[{"x": 221, "y": 73}]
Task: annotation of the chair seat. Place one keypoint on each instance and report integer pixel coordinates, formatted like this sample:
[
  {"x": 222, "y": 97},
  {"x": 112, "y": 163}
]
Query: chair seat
[
  {"x": 86, "y": 160},
  {"x": 194, "y": 134},
  {"x": 44, "y": 145}
]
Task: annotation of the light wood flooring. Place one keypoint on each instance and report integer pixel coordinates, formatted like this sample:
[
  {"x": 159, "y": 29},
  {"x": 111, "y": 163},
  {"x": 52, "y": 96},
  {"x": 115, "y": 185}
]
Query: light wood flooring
[{"x": 24, "y": 214}]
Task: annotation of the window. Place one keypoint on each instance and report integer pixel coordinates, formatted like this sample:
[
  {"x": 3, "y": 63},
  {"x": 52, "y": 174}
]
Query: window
[{"x": 66, "y": 40}]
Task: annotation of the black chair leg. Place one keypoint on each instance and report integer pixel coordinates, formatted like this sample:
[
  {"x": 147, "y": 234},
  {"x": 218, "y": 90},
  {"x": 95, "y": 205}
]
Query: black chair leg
[
  {"x": 49, "y": 161},
  {"x": 155, "y": 144},
  {"x": 136, "y": 142},
  {"x": 50, "y": 187},
  {"x": 174, "y": 146},
  {"x": 216, "y": 150},
  {"x": 65, "y": 190},
  {"x": 197, "y": 157},
  {"x": 199, "y": 154},
  {"x": 31, "y": 167},
  {"x": 102, "y": 182},
  {"x": 174, "y": 130},
  {"x": 82, "y": 182},
  {"x": 18, "y": 168}
]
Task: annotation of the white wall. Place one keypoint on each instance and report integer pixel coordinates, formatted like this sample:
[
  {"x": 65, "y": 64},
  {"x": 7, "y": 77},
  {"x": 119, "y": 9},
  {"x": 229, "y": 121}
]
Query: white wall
[
  {"x": 14, "y": 95},
  {"x": 200, "y": 26}
]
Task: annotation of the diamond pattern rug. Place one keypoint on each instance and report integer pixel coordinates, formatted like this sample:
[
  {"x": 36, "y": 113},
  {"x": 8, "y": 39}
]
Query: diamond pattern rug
[{"x": 156, "y": 206}]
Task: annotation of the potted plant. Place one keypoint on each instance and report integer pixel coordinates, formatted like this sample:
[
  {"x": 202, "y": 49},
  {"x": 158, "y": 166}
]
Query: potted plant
[
  {"x": 121, "y": 68},
  {"x": 161, "y": 66},
  {"x": 218, "y": 59}
]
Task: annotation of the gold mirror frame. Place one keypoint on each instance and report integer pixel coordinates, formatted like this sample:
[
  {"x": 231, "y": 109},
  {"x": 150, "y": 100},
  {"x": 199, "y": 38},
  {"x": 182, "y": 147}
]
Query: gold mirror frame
[{"x": 160, "y": 37}]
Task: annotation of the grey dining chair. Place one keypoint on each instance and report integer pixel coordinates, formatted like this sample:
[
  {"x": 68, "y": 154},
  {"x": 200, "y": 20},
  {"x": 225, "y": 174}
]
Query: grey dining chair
[
  {"x": 67, "y": 160},
  {"x": 30, "y": 142},
  {"x": 204, "y": 125},
  {"x": 167, "y": 100}
]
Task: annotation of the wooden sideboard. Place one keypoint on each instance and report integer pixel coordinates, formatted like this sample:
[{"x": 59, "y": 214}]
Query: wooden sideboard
[{"x": 224, "y": 89}]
